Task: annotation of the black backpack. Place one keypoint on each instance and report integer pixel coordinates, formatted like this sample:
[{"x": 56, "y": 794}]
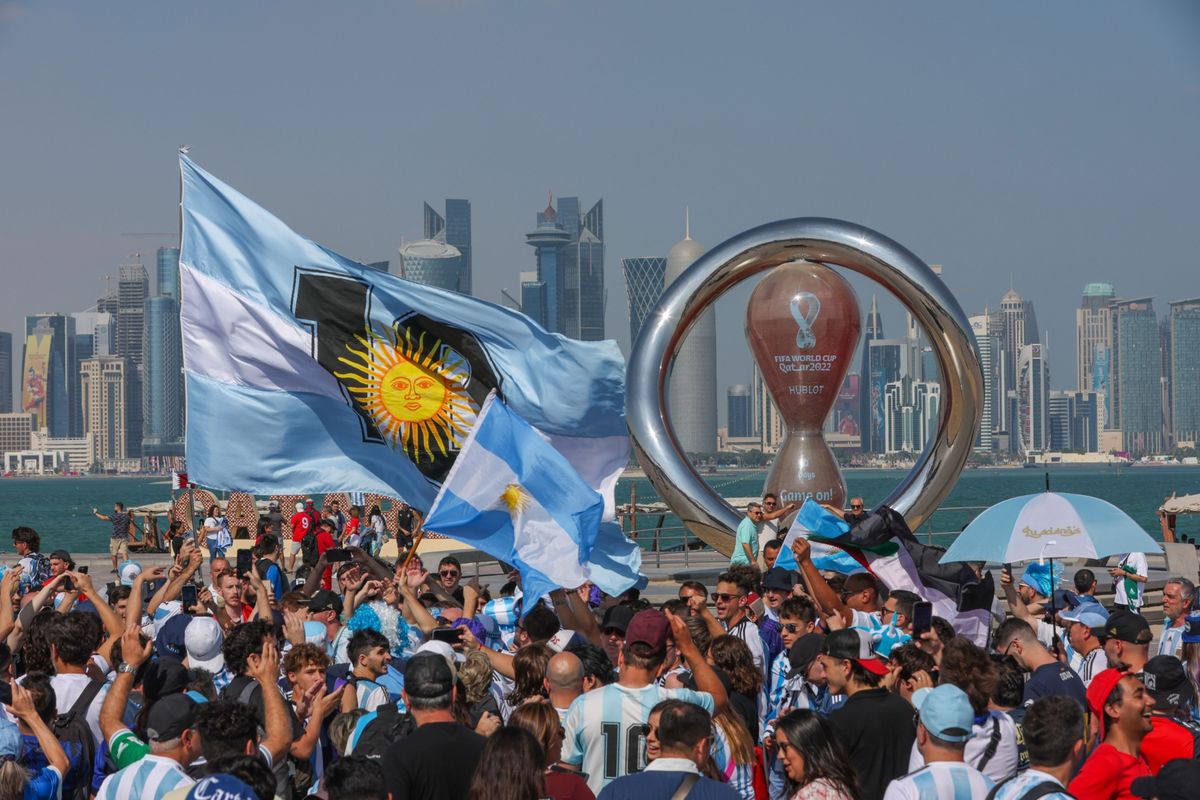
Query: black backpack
[
  {"x": 244, "y": 694},
  {"x": 388, "y": 726},
  {"x": 264, "y": 564},
  {"x": 308, "y": 549},
  {"x": 73, "y": 731}
]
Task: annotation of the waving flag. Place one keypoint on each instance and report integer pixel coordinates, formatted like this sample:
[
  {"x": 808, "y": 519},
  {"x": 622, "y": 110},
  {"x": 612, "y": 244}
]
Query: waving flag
[
  {"x": 883, "y": 544},
  {"x": 307, "y": 372},
  {"x": 514, "y": 496}
]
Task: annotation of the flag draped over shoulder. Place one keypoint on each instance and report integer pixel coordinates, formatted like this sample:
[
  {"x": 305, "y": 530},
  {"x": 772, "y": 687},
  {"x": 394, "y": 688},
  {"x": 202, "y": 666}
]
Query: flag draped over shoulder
[
  {"x": 514, "y": 496},
  {"x": 883, "y": 544},
  {"x": 307, "y": 372}
]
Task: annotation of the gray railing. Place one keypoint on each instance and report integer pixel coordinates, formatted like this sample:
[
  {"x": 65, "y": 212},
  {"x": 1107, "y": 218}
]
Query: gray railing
[{"x": 657, "y": 537}]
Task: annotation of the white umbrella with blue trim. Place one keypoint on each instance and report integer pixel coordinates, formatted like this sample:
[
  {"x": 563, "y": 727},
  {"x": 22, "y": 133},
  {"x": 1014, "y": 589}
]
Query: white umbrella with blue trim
[{"x": 1049, "y": 525}]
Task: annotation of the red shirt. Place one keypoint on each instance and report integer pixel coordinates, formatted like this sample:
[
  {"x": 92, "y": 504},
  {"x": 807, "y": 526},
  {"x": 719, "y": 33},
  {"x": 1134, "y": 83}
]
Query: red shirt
[
  {"x": 325, "y": 542},
  {"x": 300, "y": 524},
  {"x": 1107, "y": 775},
  {"x": 1168, "y": 741}
]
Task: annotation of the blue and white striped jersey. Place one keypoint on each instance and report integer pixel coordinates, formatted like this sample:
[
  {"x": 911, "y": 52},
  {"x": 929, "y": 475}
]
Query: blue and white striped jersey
[
  {"x": 147, "y": 779},
  {"x": 942, "y": 780},
  {"x": 605, "y": 729}
]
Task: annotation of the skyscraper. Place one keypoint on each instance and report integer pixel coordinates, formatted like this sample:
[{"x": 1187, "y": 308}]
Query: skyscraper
[
  {"x": 167, "y": 271},
  {"x": 48, "y": 387},
  {"x": 132, "y": 290},
  {"x": 106, "y": 400},
  {"x": 582, "y": 297},
  {"x": 6, "y": 376},
  {"x": 1184, "y": 322},
  {"x": 883, "y": 367},
  {"x": 162, "y": 408},
  {"x": 1015, "y": 324},
  {"x": 1033, "y": 399},
  {"x": 739, "y": 417},
  {"x": 1137, "y": 373},
  {"x": 435, "y": 263},
  {"x": 569, "y": 251},
  {"x": 548, "y": 241},
  {"x": 692, "y": 394},
  {"x": 910, "y": 412},
  {"x": 988, "y": 344},
  {"x": 643, "y": 286},
  {"x": 453, "y": 229},
  {"x": 1093, "y": 339},
  {"x": 872, "y": 330},
  {"x": 1073, "y": 422}
]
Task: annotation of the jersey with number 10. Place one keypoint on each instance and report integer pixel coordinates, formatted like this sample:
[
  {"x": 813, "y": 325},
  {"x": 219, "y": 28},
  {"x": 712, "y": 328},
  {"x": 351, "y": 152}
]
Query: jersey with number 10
[{"x": 605, "y": 729}]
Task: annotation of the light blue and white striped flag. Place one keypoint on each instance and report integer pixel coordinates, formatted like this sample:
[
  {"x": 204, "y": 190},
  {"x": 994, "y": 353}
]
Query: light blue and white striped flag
[
  {"x": 514, "y": 496},
  {"x": 309, "y": 373}
]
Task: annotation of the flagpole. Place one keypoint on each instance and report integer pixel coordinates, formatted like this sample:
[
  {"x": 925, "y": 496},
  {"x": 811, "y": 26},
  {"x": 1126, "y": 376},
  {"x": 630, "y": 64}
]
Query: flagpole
[{"x": 412, "y": 551}]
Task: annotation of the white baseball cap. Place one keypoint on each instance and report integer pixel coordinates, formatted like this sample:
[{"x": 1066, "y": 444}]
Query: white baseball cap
[
  {"x": 442, "y": 649},
  {"x": 203, "y": 639},
  {"x": 128, "y": 571}
]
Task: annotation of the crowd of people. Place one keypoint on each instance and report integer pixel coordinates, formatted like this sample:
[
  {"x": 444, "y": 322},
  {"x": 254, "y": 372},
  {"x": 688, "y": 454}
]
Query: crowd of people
[{"x": 307, "y": 665}]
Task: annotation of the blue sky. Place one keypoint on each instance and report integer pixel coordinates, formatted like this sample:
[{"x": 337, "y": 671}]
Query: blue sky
[{"x": 1053, "y": 143}]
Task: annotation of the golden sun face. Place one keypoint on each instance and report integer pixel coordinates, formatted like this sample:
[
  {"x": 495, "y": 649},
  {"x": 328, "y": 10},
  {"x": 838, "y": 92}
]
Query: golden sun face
[{"x": 415, "y": 391}]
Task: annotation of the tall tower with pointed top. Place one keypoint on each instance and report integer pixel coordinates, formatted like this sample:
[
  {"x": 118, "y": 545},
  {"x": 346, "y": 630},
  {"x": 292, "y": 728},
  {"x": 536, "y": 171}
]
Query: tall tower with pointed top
[
  {"x": 872, "y": 330},
  {"x": 692, "y": 394}
]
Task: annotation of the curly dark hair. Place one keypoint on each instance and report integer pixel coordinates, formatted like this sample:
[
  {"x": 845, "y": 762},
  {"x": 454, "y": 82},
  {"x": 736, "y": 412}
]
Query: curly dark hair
[
  {"x": 27, "y": 535},
  {"x": 35, "y": 646},
  {"x": 251, "y": 770},
  {"x": 225, "y": 727},
  {"x": 596, "y": 663},
  {"x": 245, "y": 640},
  {"x": 911, "y": 660},
  {"x": 824, "y": 756},
  {"x": 512, "y": 767},
  {"x": 968, "y": 667},
  {"x": 354, "y": 778},
  {"x": 75, "y": 636},
  {"x": 731, "y": 655},
  {"x": 529, "y": 673}
]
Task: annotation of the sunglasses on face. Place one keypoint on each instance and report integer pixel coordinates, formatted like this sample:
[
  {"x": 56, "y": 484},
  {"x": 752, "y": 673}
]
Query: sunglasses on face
[
  {"x": 791, "y": 627},
  {"x": 615, "y": 633},
  {"x": 725, "y": 598},
  {"x": 856, "y": 506},
  {"x": 449, "y": 573}
]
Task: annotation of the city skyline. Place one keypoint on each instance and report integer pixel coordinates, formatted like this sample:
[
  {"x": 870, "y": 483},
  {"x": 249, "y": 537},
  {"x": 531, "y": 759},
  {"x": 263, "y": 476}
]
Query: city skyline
[{"x": 1001, "y": 157}]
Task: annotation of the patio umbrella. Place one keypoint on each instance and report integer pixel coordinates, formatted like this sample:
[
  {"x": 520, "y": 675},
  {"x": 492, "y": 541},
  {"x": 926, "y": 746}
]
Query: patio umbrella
[{"x": 1049, "y": 525}]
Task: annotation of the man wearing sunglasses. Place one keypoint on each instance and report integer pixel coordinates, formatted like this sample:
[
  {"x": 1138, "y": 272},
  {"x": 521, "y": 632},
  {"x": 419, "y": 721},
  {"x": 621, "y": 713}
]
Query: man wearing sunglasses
[
  {"x": 772, "y": 513},
  {"x": 449, "y": 575},
  {"x": 745, "y": 545},
  {"x": 857, "y": 512},
  {"x": 733, "y": 614}
]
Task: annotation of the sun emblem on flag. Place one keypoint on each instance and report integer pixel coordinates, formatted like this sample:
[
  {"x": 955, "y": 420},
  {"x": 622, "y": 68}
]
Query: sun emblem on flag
[
  {"x": 414, "y": 388},
  {"x": 515, "y": 498}
]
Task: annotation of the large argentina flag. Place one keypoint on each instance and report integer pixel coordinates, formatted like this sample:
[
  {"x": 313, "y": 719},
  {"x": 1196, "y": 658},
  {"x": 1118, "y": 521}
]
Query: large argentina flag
[{"x": 307, "y": 372}]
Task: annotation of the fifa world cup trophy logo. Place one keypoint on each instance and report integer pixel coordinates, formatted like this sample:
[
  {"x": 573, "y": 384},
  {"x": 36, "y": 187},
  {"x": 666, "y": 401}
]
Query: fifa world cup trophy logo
[{"x": 803, "y": 324}]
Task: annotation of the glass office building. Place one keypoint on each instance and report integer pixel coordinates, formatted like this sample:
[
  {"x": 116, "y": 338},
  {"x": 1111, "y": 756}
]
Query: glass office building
[
  {"x": 1184, "y": 322},
  {"x": 6, "y": 376},
  {"x": 1137, "y": 368},
  {"x": 643, "y": 286},
  {"x": 433, "y": 263},
  {"x": 453, "y": 228},
  {"x": 162, "y": 406},
  {"x": 50, "y": 375}
]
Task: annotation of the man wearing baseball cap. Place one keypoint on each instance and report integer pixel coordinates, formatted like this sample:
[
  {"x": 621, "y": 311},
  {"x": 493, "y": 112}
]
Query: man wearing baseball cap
[
  {"x": 874, "y": 725},
  {"x": 1176, "y": 781},
  {"x": 1126, "y": 638},
  {"x": 625, "y": 705},
  {"x": 1087, "y": 656},
  {"x": 945, "y": 718},
  {"x": 1174, "y": 734},
  {"x": 436, "y": 760},
  {"x": 173, "y": 744},
  {"x": 1120, "y": 706}
]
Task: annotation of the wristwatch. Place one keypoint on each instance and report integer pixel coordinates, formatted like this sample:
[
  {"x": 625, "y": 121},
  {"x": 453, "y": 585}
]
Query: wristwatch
[{"x": 126, "y": 669}]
